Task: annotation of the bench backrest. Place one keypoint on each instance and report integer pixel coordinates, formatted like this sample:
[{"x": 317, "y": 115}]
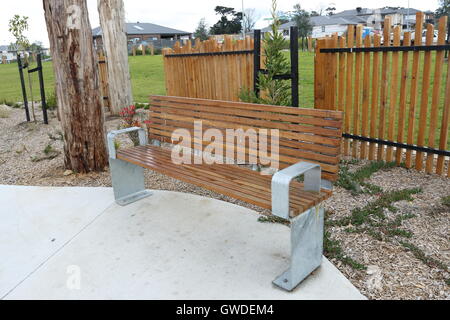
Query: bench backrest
[{"x": 304, "y": 134}]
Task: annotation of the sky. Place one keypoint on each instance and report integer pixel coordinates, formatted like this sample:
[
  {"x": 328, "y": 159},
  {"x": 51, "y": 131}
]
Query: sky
[{"x": 182, "y": 14}]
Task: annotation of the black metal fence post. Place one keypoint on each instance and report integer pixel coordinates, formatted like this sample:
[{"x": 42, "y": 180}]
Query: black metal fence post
[
  {"x": 294, "y": 65},
  {"x": 257, "y": 61},
  {"x": 41, "y": 84},
  {"x": 24, "y": 91}
]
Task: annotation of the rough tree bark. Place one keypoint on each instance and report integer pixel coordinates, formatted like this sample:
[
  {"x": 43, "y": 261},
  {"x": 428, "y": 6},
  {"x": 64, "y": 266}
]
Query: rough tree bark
[
  {"x": 112, "y": 21},
  {"x": 77, "y": 84}
]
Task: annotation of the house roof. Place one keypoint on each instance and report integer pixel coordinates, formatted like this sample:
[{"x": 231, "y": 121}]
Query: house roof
[
  {"x": 324, "y": 21},
  {"x": 144, "y": 28},
  {"x": 367, "y": 11}
]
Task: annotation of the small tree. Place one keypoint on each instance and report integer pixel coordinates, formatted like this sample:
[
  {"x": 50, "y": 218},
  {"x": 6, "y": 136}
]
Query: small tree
[
  {"x": 202, "y": 30},
  {"x": 17, "y": 26},
  {"x": 275, "y": 92}
]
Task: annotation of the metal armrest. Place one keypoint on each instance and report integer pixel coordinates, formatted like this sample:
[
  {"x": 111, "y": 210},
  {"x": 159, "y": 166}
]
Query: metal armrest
[
  {"x": 143, "y": 140},
  {"x": 282, "y": 179}
]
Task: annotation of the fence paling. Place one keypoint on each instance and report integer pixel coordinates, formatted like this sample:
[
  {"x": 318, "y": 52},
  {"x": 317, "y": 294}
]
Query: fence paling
[
  {"x": 384, "y": 87},
  {"x": 393, "y": 96},
  {"x": 365, "y": 97},
  {"x": 356, "y": 104},
  {"x": 209, "y": 70},
  {"x": 436, "y": 93},
  {"x": 103, "y": 76},
  {"x": 349, "y": 87},
  {"x": 375, "y": 89},
  {"x": 381, "y": 109},
  {"x": 403, "y": 89},
  {"x": 414, "y": 86}
]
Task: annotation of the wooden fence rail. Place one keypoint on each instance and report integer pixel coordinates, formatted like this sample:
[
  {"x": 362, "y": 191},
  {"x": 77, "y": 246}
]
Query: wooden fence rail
[
  {"x": 209, "y": 69},
  {"x": 394, "y": 90}
]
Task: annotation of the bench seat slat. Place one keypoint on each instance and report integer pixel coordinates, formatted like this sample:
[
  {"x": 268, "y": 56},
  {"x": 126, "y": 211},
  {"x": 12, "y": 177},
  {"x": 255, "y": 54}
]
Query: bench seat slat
[{"x": 230, "y": 180}]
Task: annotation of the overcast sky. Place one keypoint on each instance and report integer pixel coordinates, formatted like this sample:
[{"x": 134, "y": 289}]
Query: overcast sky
[{"x": 182, "y": 14}]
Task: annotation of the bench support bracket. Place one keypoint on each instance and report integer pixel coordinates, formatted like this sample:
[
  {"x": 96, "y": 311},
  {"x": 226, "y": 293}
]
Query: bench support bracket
[
  {"x": 306, "y": 229},
  {"x": 306, "y": 248},
  {"x": 127, "y": 179}
]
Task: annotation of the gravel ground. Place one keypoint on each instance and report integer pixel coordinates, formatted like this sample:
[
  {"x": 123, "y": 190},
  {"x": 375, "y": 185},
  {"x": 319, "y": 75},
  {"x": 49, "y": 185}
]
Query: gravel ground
[{"x": 393, "y": 272}]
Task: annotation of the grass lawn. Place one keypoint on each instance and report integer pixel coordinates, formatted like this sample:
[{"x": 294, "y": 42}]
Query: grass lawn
[{"x": 147, "y": 77}]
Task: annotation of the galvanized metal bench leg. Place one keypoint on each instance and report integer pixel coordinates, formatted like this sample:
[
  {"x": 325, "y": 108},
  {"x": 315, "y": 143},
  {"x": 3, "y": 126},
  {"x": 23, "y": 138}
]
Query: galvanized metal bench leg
[
  {"x": 306, "y": 248},
  {"x": 127, "y": 179},
  {"x": 306, "y": 229}
]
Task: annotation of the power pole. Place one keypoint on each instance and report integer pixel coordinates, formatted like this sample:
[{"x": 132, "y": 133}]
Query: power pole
[
  {"x": 112, "y": 21},
  {"x": 77, "y": 85}
]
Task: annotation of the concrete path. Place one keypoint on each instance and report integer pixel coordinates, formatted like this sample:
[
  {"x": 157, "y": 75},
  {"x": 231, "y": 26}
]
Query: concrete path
[{"x": 75, "y": 243}]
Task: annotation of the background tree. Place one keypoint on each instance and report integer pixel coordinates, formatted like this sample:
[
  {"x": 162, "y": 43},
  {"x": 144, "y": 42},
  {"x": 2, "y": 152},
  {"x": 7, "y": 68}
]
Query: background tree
[
  {"x": 444, "y": 10},
  {"x": 112, "y": 21},
  {"x": 249, "y": 19},
  {"x": 230, "y": 21},
  {"x": 314, "y": 13},
  {"x": 202, "y": 30},
  {"x": 302, "y": 20},
  {"x": 275, "y": 92},
  {"x": 330, "y": 10},
  {"x": 77, "y": 84}
]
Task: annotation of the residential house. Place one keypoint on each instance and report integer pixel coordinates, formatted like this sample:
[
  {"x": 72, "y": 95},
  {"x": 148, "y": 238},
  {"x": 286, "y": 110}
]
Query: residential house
[
  {"x": 7, "y": 55},
  {"x": 322, "y": 26},
  {"x": 138, "y": 33},
  {"x": 405, "y": 17}
]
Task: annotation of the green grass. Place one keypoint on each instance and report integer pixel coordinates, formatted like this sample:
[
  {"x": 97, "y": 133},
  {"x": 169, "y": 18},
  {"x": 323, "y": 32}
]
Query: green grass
[{"x": 147, "y": 77}]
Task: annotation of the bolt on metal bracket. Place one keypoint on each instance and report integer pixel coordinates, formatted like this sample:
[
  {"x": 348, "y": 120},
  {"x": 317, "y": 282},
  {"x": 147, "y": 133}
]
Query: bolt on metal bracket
[
  {"x": 306, "y": 248},
  {"x": 306, "y": 229}
]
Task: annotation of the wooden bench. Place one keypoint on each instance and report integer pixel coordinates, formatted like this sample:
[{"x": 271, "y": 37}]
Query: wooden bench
[{"x": 309, "y": 145}]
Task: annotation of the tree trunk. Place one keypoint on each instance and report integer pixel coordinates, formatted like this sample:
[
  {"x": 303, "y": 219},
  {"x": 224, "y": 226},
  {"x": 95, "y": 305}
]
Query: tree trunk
[
  {"x": 77, "y": 86},
  {"x": 112, "y": 21}
]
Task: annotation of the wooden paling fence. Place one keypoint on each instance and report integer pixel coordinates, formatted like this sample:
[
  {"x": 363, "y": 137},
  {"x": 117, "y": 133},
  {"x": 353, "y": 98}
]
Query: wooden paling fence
[
  {"x": 395, "y": 94},
  {"x": 103, "y": 77},
  {"x": 209, "y": 69}
]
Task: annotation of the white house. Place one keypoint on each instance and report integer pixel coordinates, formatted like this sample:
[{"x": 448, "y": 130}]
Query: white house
[{"x": 6, "y": 54}]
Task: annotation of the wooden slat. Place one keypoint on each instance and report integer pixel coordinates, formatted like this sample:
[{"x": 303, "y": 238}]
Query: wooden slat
[
  {"x": 414, "y": 86},
  {"x": 357, "y": 93},
  {"x": 439, "y": 65},
  {"x": 384, "y": 86},
  {"x": 365, "y": 97},
  {"x": 393, "y": 93},
  {"x": 375, "y": 91},
  {"x": 349, "y": 88},
  {"x": 251, "y": 106},
  {"x": 156, "y": 110},
  {"x": 238, "y": 183},
  {"x": 424, "y": 99},
  {"x": 403, "y": 90},
  {"x": 443, "y": 138},
  {"x": 319, "y": 74}
]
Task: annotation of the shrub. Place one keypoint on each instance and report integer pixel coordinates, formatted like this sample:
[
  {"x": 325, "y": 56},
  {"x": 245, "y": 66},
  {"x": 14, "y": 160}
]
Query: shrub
[{"x": 52, "y": 102}]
